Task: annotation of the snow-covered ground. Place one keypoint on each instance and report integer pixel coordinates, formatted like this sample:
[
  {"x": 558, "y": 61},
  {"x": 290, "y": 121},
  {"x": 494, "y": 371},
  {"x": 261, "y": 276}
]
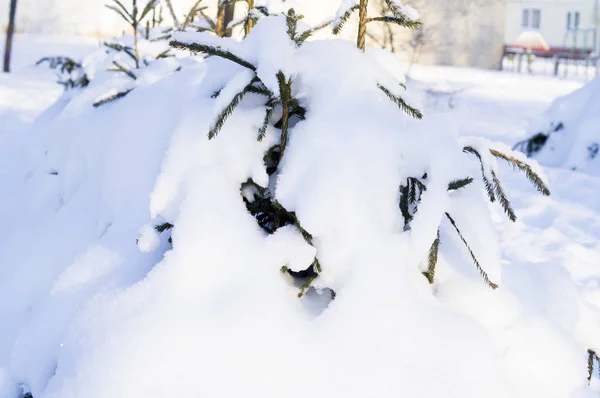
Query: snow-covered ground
[{"x": 552, "y": 236}]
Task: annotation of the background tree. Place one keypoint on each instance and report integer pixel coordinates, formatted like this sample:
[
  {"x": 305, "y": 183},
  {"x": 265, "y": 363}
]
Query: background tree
[{"x": 9, "y": 34}]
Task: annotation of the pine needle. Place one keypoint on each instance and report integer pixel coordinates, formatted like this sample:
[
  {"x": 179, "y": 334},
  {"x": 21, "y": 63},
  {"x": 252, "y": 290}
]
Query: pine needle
[
  {"x": 163, "y": 227},
  {"x": 458, "y": 184},
  {"x": 111, "y": 98},
  {"x": 225, "y": 113},
  {"x": 477, "y": 265},
  {"x": 337, "y": 28},
  {"x": 262, "y": 131},
  {"x": 402, "y": 21},
  {"x": 433, "y": 259},
  {"x": 531, "y": 175},
  {"x": 211, "y": 50},
  {"x": 124, "y": 69},
  {"x": 414, "y": 112},
  {"x": 502, "y": 198},
  {"x": 489, "y": 188}
]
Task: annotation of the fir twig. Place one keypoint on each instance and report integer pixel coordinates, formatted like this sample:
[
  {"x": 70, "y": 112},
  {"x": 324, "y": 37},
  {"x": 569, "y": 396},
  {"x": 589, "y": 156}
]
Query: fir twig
[
  {"x": 477, "y": 265},
  {"x": 124, "y": 69},
  {"x": 406, "y": 23},
  {"x": 163, "y": 227},
  {"x": 502, "y": 198},
  {"x": 262, "y": 131},
  {"x": 590, "y": 364},
  {"x": 337, "y": 27},
  {"x": 191, "y": 14},
  {"x": 211, "y": 50},
  {"x": 225, "y": 113},
  {"x": 111, "y": 98},
  {"x": 458, "y": 184},
  {"x": 489, "y": 188},
  {"x": 414, "y": 112},
  {"x": 532, "y": 176},
  {"x": 433, "y": 259},
  {"x": 285, "y": 95}
]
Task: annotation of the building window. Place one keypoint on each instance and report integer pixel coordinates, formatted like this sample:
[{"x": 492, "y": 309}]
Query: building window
[
  {"x": 536, "y": 18},
  {"x": 525, "y": 20}
]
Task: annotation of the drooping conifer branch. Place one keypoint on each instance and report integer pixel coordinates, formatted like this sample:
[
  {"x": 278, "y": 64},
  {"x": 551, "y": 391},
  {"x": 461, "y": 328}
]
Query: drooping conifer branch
[
  {"x": 225, "y": 113},
  {"x": 285, "y": 95},
  {"x": 489, "y": 188},
  {"x": 458, "y": 184},
  {"x": 532, "y": 176},
  {"x": 414, "y": 112},
  {"x": 122, "y": 68},
  {"x": 339, "y": 24},
  {"x": 502, "y": 198},
  {"x": 111, "y": 98},
  {"x": 484, "y": 275},
  {"x": 401, "y": 21},
  {"x": 211, "y": 50},
  {"x": 432, "y": 259}
]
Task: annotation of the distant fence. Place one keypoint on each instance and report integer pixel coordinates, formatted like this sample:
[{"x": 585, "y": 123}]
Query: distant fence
[{"x": 572, "y": 63}]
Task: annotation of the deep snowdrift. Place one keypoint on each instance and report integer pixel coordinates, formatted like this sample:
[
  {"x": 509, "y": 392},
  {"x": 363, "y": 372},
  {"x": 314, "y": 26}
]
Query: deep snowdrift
[
  {"x": 85, "y": 312},
  {"x": 567, "y": 134}
]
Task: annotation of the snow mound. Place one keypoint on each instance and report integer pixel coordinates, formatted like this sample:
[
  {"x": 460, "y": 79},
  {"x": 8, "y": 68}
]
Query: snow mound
[
  {"x": 208, "y": 313},
  {"x": 567, "y": 134}
]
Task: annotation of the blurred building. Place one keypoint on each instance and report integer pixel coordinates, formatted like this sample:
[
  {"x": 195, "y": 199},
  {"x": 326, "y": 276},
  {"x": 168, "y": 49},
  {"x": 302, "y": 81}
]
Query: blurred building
[{"x": 569, "y": 27}]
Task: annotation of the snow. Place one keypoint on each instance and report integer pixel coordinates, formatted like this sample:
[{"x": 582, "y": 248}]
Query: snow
[
  {"x": 576, "y": 144},
  {"x": 90, "y": 313}
]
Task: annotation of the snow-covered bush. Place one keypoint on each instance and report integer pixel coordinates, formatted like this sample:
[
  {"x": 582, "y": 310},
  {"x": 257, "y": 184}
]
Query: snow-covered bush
[
  {"x": 567, "y": 134},
  {"x": 272, "y": 153}
]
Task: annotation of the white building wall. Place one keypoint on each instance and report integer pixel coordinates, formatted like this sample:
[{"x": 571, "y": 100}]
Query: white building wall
[{"x": 553, "y": 23}]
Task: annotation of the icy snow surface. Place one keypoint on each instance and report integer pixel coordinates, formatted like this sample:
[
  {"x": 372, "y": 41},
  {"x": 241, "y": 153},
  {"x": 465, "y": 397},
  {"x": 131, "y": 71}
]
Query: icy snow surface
[{"x": 85, "y": 313}]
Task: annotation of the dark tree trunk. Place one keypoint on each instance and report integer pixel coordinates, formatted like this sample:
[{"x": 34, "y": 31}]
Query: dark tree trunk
[
  {"x": 9, "y": 34},
  {"x": 228, "y": 17}
]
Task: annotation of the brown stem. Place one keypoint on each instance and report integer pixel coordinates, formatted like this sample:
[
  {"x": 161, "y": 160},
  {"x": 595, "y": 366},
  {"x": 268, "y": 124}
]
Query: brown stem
[
  {"x": 249, "y": 21},
  {"x": 362, "y": 24},
  {"x": 220, "y": 28}
]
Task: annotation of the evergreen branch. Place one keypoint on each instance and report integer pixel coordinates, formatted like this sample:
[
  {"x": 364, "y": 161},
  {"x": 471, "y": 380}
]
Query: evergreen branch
[
  {"x": 307, "y": 285},
  {"x": 484, "y": 275},
  {"x": 260, "y": 90},
  {"x": 502, "y": 198},
  {"x": 263, "y": 10},
  {"x": 590, "y": 364},
  {"x": 111, "y": 98},
  {"x": 404, "y": 204},
  {"x": 225, "y": 113},
  {"x": 191, "y": 14},
  {"x": 531, "y": 175},
  {"x": 164, "y": 54},
  {"x": 337, "y": 27},
  {"x": 402, "y": 21},
  {"x": 208, "y": 19},
  {"x": 125, "y": 16},
  {"x": 124, "y": 9},
  {"x": 262, "y": 131},
  {"x": 172, "y": 12},
  {"x": 432, "y": 259},
  {"x": 125, "y": 70},
  {"x": 285, "y": 95},
  {"x": 458, "y": 184},
  {"x": 163, "y": 227},
  {"x": 489, "y": 188},
  {"x": 149, "y": 6},
  {"x": 414, "y": 112},
  {"x": 211, "y": 50}
]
